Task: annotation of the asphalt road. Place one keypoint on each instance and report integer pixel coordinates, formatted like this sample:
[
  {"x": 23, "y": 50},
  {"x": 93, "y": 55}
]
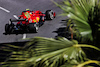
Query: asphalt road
[{"x": 11, "y": 8}]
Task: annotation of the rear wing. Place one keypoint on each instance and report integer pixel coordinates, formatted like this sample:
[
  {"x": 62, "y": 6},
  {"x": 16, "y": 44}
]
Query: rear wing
[{"x": 17, "y": 20}]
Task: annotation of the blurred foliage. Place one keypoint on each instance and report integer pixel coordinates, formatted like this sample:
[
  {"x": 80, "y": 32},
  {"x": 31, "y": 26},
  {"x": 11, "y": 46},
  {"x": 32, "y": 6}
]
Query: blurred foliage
[
  {"x": 48, "y": 52},
  {"x": 85, "y": 15}
]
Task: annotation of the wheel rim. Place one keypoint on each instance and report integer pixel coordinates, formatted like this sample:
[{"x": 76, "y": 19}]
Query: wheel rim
[
  {"x": 51, "y": 15},
  {"x": 36, "y": 27}
]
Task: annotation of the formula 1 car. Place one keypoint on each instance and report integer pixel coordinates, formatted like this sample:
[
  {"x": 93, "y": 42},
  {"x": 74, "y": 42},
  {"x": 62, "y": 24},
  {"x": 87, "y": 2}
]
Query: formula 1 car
[{"x": 29, "y": 21}]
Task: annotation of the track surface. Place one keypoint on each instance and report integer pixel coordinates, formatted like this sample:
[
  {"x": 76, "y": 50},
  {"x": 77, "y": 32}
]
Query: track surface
[{"x": 9, "y": 8}]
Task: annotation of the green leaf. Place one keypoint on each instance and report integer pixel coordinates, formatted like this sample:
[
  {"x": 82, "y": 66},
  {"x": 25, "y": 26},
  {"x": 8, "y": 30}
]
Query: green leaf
[{"x": 88, "y": 62}]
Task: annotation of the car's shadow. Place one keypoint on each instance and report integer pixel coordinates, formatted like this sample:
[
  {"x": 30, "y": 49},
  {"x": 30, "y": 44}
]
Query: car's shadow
[
  {"x": 63, "y": 31},
  {"x": 19, "y": 32}
]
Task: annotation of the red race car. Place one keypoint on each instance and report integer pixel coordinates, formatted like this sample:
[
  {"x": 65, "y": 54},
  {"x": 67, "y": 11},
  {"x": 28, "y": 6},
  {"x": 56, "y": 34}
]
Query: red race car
[{"x": 29, "y": 21}]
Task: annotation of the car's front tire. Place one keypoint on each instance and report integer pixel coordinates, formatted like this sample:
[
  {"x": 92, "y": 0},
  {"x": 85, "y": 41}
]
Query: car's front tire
[{"x": 50, "y": 15}]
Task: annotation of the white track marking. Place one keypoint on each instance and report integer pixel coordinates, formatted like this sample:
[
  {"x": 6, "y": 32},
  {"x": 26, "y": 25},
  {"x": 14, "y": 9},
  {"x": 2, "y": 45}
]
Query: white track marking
[
  {"x": 15, "y": 16},
  {"x": 4, "y": 9},
  {"x": 24, "y": 36}
]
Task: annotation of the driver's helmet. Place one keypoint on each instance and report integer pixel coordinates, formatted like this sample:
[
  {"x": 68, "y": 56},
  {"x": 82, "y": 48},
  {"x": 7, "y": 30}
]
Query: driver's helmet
[{"x": 27, "y": 9}]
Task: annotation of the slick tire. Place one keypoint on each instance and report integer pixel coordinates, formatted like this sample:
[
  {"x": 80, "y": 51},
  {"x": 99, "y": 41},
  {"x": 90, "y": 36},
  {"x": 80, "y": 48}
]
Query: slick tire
[
  {"x": 9, "y": 28},
  {"x": 49, "y": 15}
]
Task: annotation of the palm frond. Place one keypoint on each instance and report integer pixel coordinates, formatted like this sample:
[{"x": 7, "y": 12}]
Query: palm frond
[
  {"x": 51, "y": 52},
  {"x": 88, "y": 62},
  {"x": 79, "y": 11},
  {"x": 48, "y": 52}
]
